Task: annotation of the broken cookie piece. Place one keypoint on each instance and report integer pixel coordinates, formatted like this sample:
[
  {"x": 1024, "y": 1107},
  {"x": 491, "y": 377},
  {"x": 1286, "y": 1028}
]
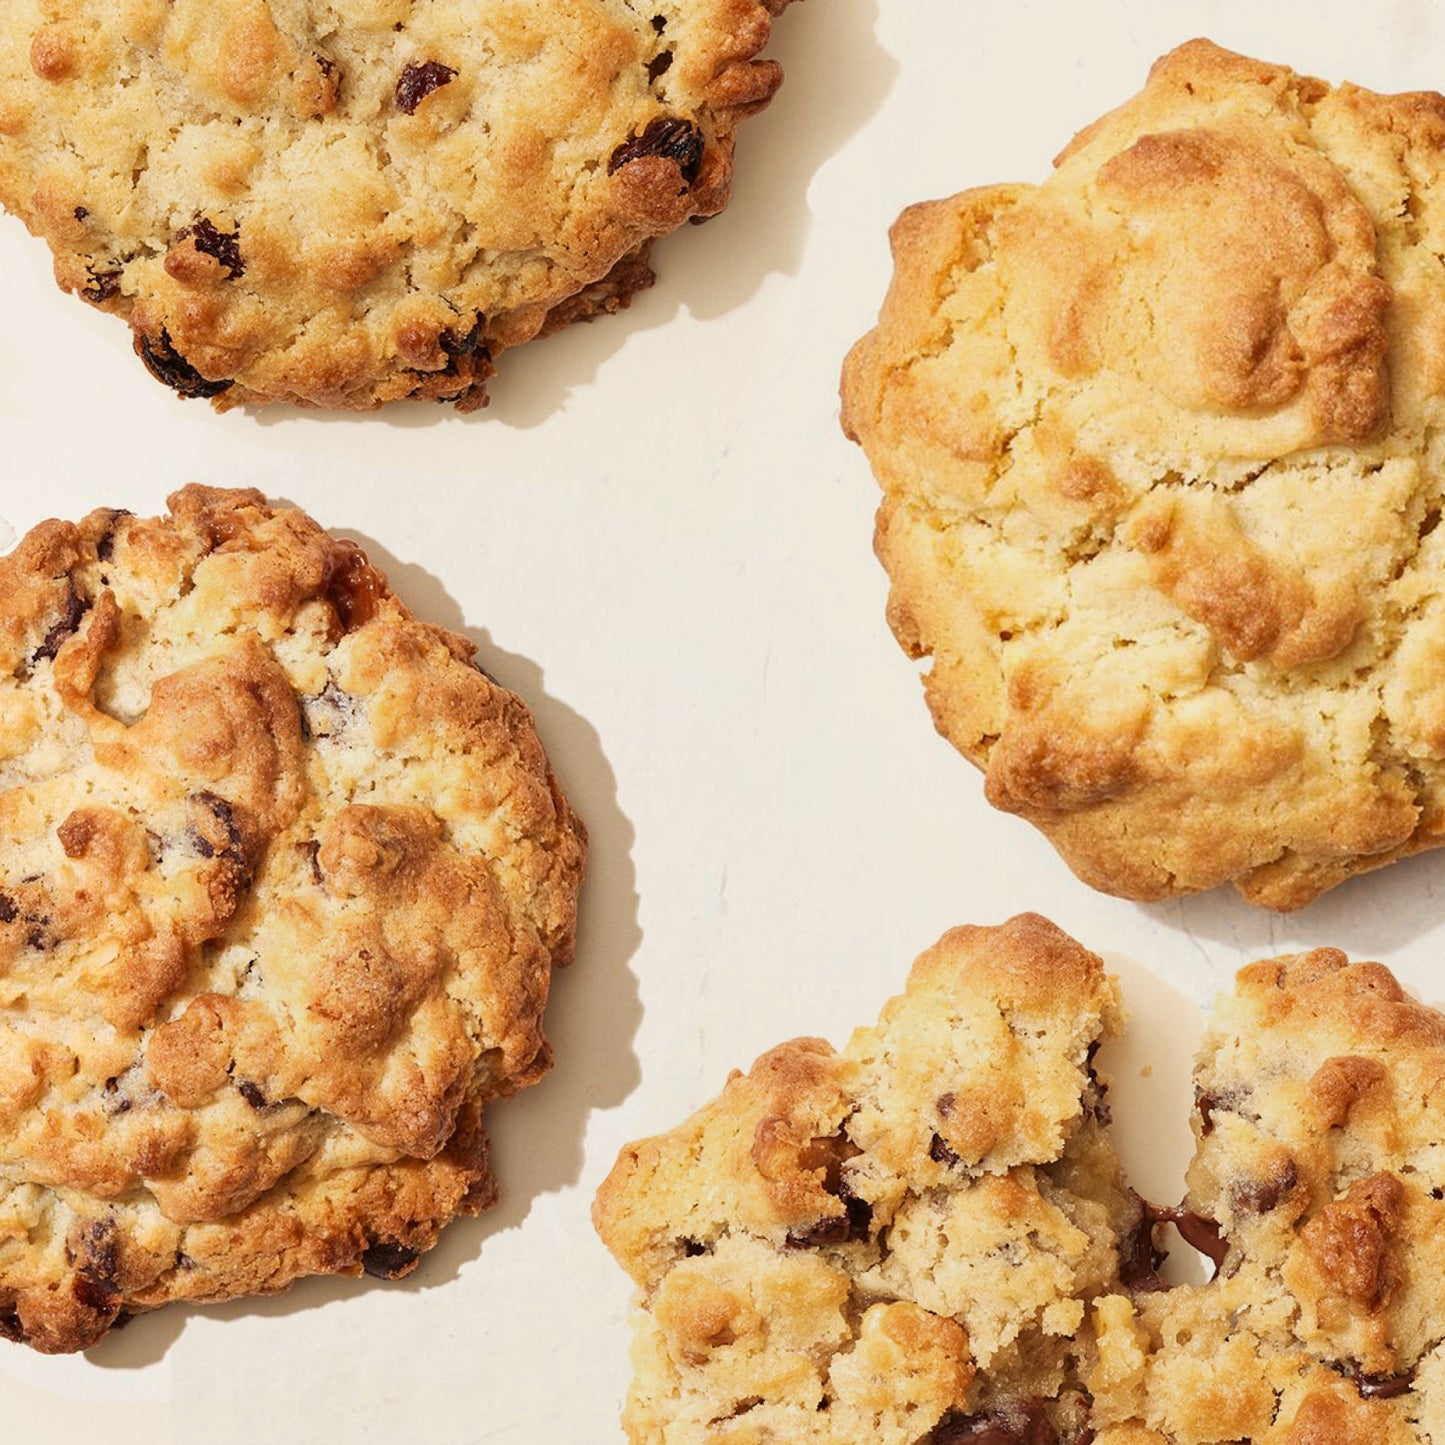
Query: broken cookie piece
[{"x": 927, "y": 1239}]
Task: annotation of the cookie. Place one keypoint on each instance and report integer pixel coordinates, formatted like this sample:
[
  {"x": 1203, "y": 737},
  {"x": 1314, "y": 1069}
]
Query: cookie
[
  {"x": 876, "y": 1243},
  {"x": 291, "y": 204},
  {"x": 926, "y": 1238},
  {"x": 1157, "y": 444},
  {"x": 283, "y": 878}
]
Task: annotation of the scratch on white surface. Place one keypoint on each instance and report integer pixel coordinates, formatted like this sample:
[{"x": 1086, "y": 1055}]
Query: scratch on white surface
[{"x": 1184, "y": 923}]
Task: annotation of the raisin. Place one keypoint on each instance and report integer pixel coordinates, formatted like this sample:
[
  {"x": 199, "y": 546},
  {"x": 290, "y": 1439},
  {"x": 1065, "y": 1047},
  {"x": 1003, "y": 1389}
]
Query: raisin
[
  {"x": 659, "y": 23},
  {"x": 251, "y": 1094},
  {"x": 69, "y": 623},
  {"x": 691, "y": 1248},
  {"x": 10, "y": 1327},
  {"x": 8, "y": 911},
  {"x": 658, "y": 66},
  {"x": 95, "y": 1249},
  {"x": 389, "y": 1260},
  {"x": 418, "y": 81},
  {"x": 667, "y": 136},
  {"x": 210, "y": 242},
  {"x": 81, "y": 213},
  {"x": 467, "y": 345},
  {"x": 225, "y": 815},
  {"x": 167, "y": 365}
]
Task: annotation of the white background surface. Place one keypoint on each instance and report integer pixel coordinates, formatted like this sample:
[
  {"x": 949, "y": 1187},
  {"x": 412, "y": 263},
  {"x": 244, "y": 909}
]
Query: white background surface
[{"x": 658, "y": 535}]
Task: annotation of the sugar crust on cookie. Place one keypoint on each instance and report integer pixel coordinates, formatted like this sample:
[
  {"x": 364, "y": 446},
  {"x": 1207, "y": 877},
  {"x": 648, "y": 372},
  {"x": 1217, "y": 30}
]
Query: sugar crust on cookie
[
  {"x": 283, "y": 878},
  {"x": 1160, "y": 448},
  {"x": 339, "y": 208}
]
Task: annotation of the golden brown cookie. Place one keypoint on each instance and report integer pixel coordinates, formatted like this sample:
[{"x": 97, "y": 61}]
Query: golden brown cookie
[
  {"x": 283, "y": 878},
  {"x": 341, "y": 207},
  {"x": 926, "y": 1239},
  {"x": 1159, "y": 447}
]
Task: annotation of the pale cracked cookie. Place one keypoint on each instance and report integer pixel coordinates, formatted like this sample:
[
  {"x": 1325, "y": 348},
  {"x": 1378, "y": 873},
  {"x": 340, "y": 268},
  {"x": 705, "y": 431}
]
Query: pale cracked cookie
[
  {"x": 1160, "y": 442},
  {"x": 283, "y": 877},
  {"x": 926, "y": 1238},
  {"x": 341, "y": 206},
  {"x": 884, "y": 1243}
]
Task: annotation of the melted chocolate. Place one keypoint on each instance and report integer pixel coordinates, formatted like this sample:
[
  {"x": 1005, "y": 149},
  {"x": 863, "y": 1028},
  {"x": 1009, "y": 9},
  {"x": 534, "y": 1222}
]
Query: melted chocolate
[{"x": 1140, "y": 1257}]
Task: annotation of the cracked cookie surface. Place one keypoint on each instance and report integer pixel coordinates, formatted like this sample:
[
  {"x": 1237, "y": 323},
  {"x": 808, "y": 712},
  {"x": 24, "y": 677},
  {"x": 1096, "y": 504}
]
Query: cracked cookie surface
[
  {"x": 926, "y": 1238},
  {"x": 1160, "y": 442},
  {"x": 283, "y": 879},
  {"x": 343, "y": 206}
]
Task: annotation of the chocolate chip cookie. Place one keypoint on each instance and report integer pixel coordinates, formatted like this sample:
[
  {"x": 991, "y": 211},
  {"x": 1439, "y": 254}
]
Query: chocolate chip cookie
[
  {"x": 339, "y": 208},
  {"x": 283, "y": 879},
  {"x": 1158, "y": 441},
  {"x": 927, "y": 1239}
]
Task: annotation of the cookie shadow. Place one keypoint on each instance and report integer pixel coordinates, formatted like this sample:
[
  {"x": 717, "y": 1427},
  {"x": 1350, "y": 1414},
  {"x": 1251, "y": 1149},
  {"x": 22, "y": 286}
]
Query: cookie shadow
[
  {"x": 1370, "y": 916},
  {"x": 837, "y": 77},
  {"x": 592, "y": 1015}
]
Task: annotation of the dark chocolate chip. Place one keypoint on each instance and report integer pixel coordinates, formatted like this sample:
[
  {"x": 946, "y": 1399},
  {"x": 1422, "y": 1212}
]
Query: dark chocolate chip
[
  {"x": 166, "y": 364},
  {"x": 8, "y": 911},
  {"x": 658, "y": 66},
  {"x": 1259, "y": 1196},
  {"x": 418, "y": 81},
  {"x": 1096, "y": 1095},
  {"x": 75, "y": 608},
  {"x": 94, "y": 1296},
  {"x": 853, "y": 1223},
  {"x": 691, "y": 1248},
  {"x": 114, "y": 1104},
  {"x": 1375, "y": 1387},
  {"x": 81, "y": 213},
  {"x": 1027, "y": 1424},
  {"x": 105, "y": 546},
  {"x": 667, "y": 136},
  {"x": 389, "y": 1260},
  {"x": 940, "y": 1153},
  {"x": 659, "y": 23},
  {"x": 211, "y": 242},
  {"x": 251, "y": 1094}
]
